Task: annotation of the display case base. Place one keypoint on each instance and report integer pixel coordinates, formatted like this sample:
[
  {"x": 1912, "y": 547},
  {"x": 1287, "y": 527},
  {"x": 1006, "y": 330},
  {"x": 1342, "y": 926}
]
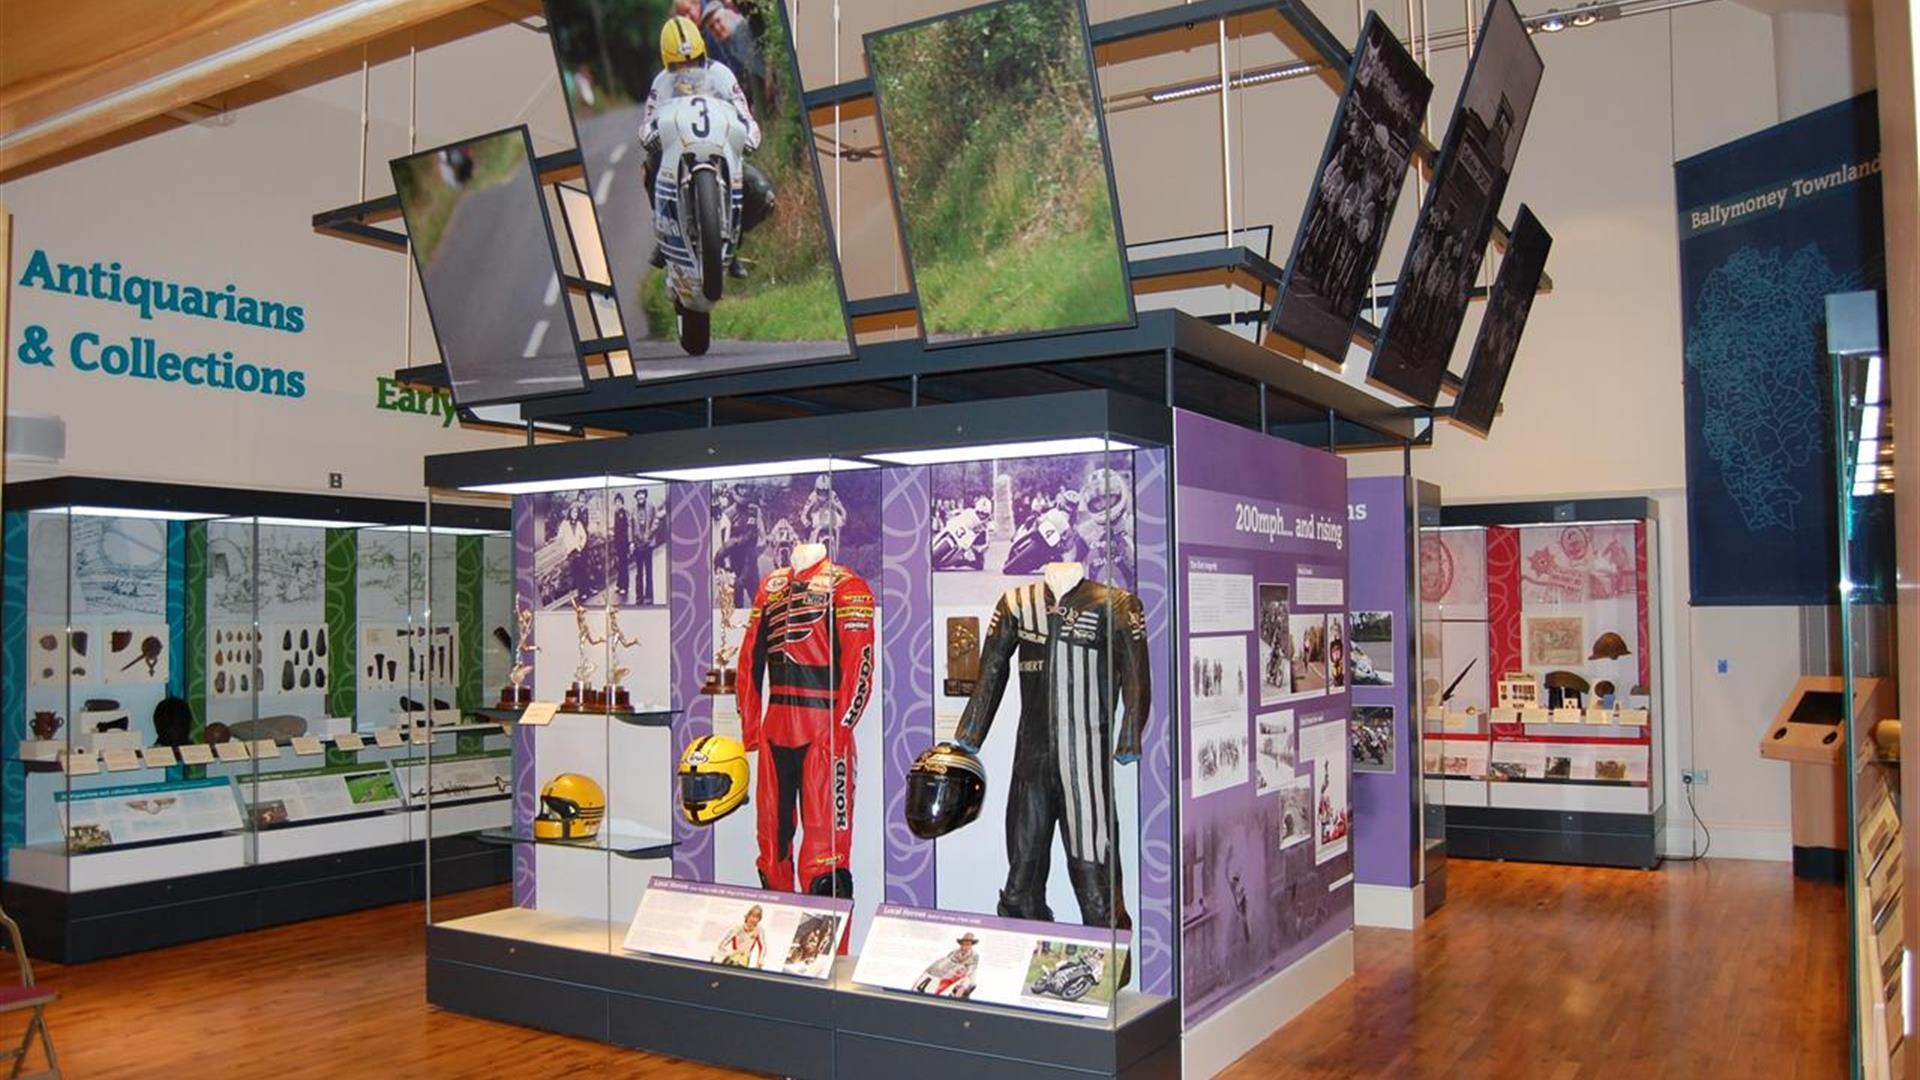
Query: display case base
[
  {"x": 1819, "y": 863},
  {"x": 781, "y": 1025},
  {"x": 73, "y": 927},
  {"x": 1555, "y": 836}
]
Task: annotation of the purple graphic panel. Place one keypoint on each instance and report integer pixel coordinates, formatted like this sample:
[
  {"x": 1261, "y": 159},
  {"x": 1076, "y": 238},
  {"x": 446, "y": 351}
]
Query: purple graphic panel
[
  {"x": 690, "y": 602},
  {"x": 1067, "y": 507},
  {"x": 526, "y": 785},
  {"x": 1384, "y": 775},
  {"x": 1156, "y": 929},
  {"x": 1266, "y": 866},
  {"x": 757, "y": 522},
  {"x": 906, "y": 604},
  {"x": 596, "y": 545}
]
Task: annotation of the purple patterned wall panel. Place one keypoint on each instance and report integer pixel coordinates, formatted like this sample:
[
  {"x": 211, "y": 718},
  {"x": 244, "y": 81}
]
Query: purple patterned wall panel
[
  {"x": 1384, "y": 802},
  {"x": 690, "y": 624},
  {"x": 526, "y": 785},
  {"x": 906, "y": 605},
  {"x": 1156, "y": 929}
]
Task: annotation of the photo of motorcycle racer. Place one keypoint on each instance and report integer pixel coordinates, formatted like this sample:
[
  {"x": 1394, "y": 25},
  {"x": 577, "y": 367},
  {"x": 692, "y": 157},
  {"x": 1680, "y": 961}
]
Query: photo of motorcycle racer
[
  {"x": 700, "y": 167},
  {"x": 689, "y": 71},
  {"x": 952, "y": 975},
  {"x": 745, "y": 945},
  {"x": 960, "y": 535}
]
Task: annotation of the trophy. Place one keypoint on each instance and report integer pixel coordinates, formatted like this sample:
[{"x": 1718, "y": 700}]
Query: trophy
[
  {"x": 720, "y": 677},
  {"x": 518, "y": 695},
  {"x": 583, "y": 694},
  {"x": 617, "y": 639}
]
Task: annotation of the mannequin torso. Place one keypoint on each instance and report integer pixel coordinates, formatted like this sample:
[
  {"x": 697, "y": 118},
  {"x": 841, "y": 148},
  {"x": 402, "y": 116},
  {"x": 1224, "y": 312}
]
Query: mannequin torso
[
  {"x": 807, "y": 556},
  {"x": 1060, "y": 577}
]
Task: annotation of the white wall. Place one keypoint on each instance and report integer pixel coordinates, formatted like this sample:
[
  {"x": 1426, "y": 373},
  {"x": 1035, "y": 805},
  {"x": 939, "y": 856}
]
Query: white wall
[{"x": 212, "y": 205}]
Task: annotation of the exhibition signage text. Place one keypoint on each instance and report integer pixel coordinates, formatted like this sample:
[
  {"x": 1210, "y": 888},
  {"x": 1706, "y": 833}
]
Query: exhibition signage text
[{"x": 139, "y": 357}]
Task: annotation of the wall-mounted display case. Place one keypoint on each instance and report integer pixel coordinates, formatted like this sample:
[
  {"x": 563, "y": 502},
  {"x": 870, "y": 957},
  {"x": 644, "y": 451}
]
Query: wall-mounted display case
[
  {"x": 1005, "y": 578},
  {"x": 218, "y": 707},
  {"x": 1862, "y": 700},
  {"x": 1540, "y": 639}
]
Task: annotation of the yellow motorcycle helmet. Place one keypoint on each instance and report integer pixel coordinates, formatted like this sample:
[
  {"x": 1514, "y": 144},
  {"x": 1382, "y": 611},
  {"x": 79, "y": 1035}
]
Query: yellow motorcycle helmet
[
  {"x": 680, "y": 42},
  {"x": 571, "y": 808},
  {"x": 713, "y": 779}
]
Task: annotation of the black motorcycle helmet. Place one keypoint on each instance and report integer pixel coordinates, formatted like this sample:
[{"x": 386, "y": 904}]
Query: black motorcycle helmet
[{"x": 945, "y": 790}]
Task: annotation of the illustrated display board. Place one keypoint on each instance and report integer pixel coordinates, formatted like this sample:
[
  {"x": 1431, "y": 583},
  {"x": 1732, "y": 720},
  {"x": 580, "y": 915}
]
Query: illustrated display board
[
  {"x": 1052, "y": 967},
  {"x": 1382, "y": 683},
  {"x": 1266, "y": 814},
  {"x": 776, "y": 299},
  {"x": 1506, "y": 317},
  {"x": 1483, "y": 140},
  {"x": 788, "y": 933},
  {"x": 302, "y": 795},
  {"x": 1361, "y": 173},
  {"x": 1000, "y": 170},
  {"x": 142, "y": 813},
  {"x": 477, "y": 225},
  {"x": 1769, "y": 226}
]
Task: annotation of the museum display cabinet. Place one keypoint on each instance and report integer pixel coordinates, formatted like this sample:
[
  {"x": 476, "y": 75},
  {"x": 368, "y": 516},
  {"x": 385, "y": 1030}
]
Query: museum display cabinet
[
  {"x": 1861, "y": 703},
  {"x": 1540, "y": 634},
  {"x": 834, "y": 598},
  {"x": 217, "y": 711}
]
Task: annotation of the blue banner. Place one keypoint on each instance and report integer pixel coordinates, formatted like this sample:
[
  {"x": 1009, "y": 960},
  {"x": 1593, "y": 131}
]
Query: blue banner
[{"x": 1769, "y": 225}]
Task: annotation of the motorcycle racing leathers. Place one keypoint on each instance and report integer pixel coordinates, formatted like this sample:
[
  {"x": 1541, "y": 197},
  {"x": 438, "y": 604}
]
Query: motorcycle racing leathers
[
  {"x": 805, "y": 676},
  {"x": 1076, "y": 654}
]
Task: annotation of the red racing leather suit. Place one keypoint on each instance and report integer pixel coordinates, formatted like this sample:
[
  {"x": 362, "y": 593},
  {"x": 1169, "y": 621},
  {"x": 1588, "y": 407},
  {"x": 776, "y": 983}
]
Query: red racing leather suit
[{"x": 806, "y": 673}]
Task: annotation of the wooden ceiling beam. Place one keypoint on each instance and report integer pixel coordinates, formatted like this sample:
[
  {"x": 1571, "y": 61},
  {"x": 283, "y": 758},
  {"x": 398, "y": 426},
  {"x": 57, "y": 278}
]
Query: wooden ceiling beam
[{"x": 74, "y": 74}]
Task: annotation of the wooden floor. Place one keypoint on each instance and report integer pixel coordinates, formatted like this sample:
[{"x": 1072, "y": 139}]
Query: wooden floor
[{"x": 1719, "y": 969}]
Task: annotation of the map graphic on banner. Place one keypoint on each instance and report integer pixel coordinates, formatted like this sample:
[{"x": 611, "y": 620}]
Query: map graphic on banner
[{"x": 1769, "y": 226}]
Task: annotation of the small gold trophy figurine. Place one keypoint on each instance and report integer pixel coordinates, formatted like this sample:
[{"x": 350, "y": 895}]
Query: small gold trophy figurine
[
  {"x": 617, "y": 639},
  {"x": 720, "y": 677},
  {"x": 583, "y": 694},
  {"x": 518, "y": 695}
]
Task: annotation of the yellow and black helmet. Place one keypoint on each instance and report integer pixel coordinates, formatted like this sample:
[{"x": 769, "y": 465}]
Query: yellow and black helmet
[
  {"x": 713, "y": 778},
  {"x": 571, "y": 808},
  {"x": 681, "y": 43}
]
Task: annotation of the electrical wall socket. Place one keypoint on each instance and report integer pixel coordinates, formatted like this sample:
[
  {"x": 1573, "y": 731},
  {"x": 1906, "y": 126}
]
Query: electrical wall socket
[{"x": 1693, "y": 776}]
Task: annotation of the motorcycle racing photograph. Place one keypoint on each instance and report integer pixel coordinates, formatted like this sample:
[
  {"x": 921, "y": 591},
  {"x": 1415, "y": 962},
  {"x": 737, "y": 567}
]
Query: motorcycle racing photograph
[
  {"x": 700, "y": 167},
  {"x": 993, "y": 133}
]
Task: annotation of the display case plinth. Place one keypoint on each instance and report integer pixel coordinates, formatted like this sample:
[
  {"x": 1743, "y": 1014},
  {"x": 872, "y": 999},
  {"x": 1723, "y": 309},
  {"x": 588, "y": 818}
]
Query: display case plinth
[
  {"x": 1557, "y": 836},
  {"x": 556, "y": 973},
  {"x": 90, "y": 924}
]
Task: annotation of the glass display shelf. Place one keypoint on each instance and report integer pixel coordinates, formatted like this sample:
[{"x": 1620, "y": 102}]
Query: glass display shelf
[
  {"x": 628, "y": 844},
  {"x": 646, "y": 717}
]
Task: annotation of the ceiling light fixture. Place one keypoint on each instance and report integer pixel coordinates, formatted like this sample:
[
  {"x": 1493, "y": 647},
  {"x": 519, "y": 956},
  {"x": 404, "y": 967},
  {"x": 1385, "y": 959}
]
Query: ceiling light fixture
[
  {"x": 1086, "y": 444},
  {"x": 754, "y": 469}
]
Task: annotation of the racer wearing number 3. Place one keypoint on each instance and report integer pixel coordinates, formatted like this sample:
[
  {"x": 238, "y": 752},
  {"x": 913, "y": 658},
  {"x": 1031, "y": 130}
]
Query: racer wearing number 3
[{"x": 686, "y": 70}]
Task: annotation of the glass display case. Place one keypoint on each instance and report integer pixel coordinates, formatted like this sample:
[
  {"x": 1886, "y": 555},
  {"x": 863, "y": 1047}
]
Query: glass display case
[
  {"x": 1865, "y": 464},
  {"x": 1541, "y": 674},
  {"x": 861, "y": 733},
  {"x": 218, "y": 721}
]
